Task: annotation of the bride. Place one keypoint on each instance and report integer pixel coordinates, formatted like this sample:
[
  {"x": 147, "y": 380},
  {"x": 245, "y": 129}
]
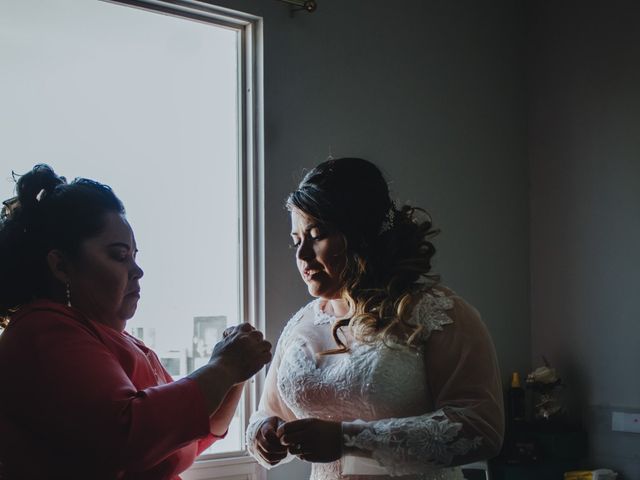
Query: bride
[{"x": 386, "y": 372}]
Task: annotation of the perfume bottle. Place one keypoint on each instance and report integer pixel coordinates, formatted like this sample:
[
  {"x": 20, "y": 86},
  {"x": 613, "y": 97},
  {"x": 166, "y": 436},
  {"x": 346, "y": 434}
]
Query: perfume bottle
[{"x": 516, "y": 399}]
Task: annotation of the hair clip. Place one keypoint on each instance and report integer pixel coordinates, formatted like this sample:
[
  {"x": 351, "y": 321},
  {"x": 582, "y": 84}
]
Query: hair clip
[
  {"x": 41, "y": 195},
  {"x": 387, "y": 223},
  {"x": 8, "y": 207}
]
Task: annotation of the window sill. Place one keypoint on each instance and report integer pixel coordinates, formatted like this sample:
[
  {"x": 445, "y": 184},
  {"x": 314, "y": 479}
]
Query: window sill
[{"x": 241, "y": 468}]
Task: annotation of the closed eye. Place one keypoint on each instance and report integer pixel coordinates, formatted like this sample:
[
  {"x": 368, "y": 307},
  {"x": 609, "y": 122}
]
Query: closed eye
[
  {"x": 317, "y": 237},
  {"x": 295, "y": 243},
  {"x": 122, "y": 255},
  {"x": 122, "y": 252}
]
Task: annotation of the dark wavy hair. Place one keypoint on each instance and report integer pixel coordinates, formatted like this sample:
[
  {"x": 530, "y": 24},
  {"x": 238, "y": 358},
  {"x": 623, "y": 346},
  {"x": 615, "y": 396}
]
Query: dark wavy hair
[
  {"x": 388, "y": 249},
  {"x": 47, "y": 213}
]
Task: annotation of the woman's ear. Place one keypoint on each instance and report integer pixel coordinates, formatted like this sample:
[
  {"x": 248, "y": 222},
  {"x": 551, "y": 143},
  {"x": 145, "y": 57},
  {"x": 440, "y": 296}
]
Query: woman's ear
[{"x": 58, "y": 265}]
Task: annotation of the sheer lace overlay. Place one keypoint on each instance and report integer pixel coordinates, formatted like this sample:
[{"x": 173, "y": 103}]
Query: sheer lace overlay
[
  {"x": 406, "y": 445},
  {"x": 413, "y": 412}
]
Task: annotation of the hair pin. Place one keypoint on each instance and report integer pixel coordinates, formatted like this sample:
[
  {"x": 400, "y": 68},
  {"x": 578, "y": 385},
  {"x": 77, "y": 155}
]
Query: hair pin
[{"x": 8, "y": 206}]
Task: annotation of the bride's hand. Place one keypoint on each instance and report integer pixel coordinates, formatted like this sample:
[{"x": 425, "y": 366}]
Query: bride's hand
[
  {"x": 267, "y": 443},
  {"x": 312, "y": 439}
]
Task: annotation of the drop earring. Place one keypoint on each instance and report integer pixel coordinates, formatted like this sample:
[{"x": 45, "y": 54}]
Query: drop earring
[{"x": 68, "y": 295}]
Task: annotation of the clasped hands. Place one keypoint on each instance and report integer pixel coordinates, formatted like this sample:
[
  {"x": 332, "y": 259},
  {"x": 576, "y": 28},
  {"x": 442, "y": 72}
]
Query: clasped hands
[{"x": 309, "y": 439}]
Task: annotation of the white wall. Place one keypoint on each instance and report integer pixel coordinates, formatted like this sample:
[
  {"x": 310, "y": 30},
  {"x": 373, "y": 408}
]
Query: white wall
[
  {"x": 585, "y": 210},
  {"x": 432, "y": 91}
]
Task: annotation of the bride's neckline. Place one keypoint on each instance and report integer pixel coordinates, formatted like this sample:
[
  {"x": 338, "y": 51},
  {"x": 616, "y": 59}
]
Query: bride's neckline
[{"x": 321, "y": 317}]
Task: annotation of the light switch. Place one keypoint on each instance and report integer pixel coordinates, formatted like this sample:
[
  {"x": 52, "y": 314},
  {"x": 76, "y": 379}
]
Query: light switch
[{"x": 625, "y": 422}]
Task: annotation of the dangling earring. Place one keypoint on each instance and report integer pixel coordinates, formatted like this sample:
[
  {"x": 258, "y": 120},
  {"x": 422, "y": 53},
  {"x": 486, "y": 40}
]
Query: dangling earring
[{"x": 68, "y": 295}]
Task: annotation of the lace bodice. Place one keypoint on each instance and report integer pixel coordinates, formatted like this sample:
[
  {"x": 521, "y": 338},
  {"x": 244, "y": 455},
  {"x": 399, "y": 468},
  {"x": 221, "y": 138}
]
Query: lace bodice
[{"x": 390, "y": 396}]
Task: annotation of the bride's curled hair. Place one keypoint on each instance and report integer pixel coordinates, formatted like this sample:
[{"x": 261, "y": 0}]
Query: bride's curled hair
[{"x": 388, "y": 249}]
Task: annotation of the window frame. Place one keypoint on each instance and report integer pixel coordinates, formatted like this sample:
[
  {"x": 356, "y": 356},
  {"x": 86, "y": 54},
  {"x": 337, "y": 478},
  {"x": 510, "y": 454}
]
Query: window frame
[{"x": 249, "y": 28}]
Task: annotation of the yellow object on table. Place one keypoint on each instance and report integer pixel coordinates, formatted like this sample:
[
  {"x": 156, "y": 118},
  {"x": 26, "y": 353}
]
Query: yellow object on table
[
  {"x": 579, "y": 475},
  {"x": 600, "y": 474}
]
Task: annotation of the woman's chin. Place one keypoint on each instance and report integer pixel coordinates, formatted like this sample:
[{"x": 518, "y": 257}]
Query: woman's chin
[
  {"x": 128, "y": 309},
  {"x": 314, "y": 288},
  {"x": 317, "y": 291}
]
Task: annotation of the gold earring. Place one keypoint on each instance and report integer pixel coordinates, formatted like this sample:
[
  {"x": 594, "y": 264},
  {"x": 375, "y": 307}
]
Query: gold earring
[{"x": 68, "y": 295}]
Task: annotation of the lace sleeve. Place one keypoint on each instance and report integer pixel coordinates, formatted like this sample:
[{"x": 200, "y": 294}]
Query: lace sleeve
[
  {"x": 271, "y": 404},
  {"x": 463, "y": 378}
]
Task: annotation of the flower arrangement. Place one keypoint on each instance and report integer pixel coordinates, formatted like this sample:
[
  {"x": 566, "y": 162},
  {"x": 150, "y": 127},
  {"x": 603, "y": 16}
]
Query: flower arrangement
[{"x": 546, "y": 387}]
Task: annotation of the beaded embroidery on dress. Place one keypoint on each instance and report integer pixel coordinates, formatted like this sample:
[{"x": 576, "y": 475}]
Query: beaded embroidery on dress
[{"x": 380, "y": 385}]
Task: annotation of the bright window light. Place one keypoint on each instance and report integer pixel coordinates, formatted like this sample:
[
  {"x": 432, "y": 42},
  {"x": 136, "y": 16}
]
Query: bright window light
[{"x": 149, "y": 104}]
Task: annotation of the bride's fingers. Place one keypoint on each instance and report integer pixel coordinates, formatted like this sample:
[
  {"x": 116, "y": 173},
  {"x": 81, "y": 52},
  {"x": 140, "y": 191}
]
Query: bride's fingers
[
  {"x": 272, "y": 459},
  {"x": 270, "y": 436},
  {"x": 296, "y": 449},
  {"x": 293, "y": 426},
  {"x": 294, "y": 438},
  {"x": 272, "y": 453},
  {"x": 272, "y": 445}
]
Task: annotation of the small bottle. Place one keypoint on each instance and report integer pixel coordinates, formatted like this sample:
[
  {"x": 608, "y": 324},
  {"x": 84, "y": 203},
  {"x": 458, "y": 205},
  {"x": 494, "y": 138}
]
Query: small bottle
[{"x": 517, "y": 409}]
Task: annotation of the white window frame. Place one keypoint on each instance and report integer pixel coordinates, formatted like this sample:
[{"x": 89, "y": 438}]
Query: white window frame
[{"x": 237, "y": 465}]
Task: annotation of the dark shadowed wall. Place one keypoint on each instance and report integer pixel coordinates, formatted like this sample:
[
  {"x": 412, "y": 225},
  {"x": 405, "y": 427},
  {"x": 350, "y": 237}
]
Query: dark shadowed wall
[{"x": 584, "y": 142}]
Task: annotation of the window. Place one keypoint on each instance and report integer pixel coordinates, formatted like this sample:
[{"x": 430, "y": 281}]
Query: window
[{"x": 160, "y": 100}]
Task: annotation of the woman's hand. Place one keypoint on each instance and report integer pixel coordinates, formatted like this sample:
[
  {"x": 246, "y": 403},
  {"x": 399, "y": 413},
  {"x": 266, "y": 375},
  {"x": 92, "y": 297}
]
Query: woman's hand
[
  {"x": 242, "y": 352},
  {"x": 312, "y": 439},
  {"x": 237, "y": 357},
  {"x": 267, "y": 443}
]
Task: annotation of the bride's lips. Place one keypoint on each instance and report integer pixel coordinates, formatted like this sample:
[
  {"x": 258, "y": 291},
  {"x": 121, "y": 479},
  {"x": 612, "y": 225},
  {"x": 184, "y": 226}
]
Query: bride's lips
[
  {"x": 309, "y": 273},
  {"x": 134, "y": 293}
]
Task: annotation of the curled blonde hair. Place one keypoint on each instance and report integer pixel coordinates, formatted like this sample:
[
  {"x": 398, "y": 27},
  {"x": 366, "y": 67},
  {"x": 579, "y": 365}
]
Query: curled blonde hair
[{"x": 381, "y": 293}]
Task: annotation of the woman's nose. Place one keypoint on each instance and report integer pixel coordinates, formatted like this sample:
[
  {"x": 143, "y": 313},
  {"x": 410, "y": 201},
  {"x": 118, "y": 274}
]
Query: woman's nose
[
  {"x": 136, "y": 271},
  {"x": 305, "y": 251}
]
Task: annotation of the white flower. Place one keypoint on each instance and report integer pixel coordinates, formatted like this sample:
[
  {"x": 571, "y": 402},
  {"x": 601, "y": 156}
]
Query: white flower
[{"x": 544, "y": 375}]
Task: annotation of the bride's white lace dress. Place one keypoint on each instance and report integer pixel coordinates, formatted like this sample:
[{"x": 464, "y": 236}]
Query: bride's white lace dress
[{"x": 415, "y": 413}]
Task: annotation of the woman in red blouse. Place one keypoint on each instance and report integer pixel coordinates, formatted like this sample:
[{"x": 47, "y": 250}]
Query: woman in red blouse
[{"x": 79, "y": 397}]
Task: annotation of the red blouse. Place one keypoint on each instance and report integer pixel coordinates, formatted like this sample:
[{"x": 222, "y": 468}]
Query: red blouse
[{"x": 79, "y": 399}]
